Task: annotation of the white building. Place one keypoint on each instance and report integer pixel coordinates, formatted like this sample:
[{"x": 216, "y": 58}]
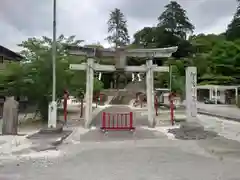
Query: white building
[{"x": 224, "y": 94}]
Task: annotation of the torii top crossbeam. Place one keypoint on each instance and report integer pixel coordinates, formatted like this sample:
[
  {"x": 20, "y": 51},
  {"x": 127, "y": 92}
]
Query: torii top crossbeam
[{"x": 107, "y": 52}]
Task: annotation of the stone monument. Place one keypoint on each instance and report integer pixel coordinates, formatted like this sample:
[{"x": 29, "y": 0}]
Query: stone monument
[{"x": 10, "y": 116}]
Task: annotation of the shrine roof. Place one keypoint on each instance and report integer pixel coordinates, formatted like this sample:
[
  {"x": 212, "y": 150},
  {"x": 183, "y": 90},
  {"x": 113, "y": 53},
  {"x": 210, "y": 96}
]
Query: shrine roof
[{"x": 10, "y": 54}]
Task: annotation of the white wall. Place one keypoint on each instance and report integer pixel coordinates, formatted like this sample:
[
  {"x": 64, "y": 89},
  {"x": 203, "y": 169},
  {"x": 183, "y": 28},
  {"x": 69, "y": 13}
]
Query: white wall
[{"x": 220, "y": 95}]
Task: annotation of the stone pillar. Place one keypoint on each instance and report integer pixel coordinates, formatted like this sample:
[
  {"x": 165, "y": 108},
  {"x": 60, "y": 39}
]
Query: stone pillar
[
  {"x": 191, "y": 124},
  {"x": 10, "y": 116},
  {"x": 150, "y": 94},
  {"x": 191, "y": 93},
  {"x": 89, "y": 92}
]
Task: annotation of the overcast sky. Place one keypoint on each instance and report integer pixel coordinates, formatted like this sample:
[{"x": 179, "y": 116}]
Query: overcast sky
[{"x": 20, "y": 19}]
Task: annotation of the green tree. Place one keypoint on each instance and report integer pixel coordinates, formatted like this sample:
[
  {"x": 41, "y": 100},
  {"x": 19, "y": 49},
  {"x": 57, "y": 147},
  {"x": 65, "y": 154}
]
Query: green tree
[
  {"x": 175, "y": 20},
  {"x": 233, "y": 30},
  {"x": 203, "y": 43},
  {"x": 33, "y": 77},
  {"x": 12, "y": 79},
  {"x": 117, "y": 27},
  {"x": 217, "y": 61}
]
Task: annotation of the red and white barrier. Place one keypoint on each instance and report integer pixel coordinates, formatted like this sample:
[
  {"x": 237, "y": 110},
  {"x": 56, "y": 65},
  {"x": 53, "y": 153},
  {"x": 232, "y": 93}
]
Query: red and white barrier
[{"x": 117, "y": 121}]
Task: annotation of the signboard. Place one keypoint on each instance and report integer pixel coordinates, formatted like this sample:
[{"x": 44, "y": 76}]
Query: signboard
[{"x": 191, "y": 93}]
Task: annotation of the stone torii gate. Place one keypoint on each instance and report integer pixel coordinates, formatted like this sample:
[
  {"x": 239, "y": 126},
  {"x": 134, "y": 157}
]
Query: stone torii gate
[{"x": 120, "y": 56}]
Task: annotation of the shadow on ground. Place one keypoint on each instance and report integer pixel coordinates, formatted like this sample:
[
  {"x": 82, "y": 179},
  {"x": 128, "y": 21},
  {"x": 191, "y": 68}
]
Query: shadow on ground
[{"x": 47, "y": 141}]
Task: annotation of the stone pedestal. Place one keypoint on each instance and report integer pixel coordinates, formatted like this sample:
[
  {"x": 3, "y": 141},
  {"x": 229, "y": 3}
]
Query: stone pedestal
[
  {"x": 191, "y": 126},
  {"x": 10, "y": 117},
  {"x": 47, "y": 130},
  {"x": 52, "y": 114}
]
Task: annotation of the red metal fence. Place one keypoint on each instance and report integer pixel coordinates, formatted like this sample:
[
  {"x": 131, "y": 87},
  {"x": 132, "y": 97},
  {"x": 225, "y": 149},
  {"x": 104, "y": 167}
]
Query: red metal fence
[{"x": 117, "y": 121}]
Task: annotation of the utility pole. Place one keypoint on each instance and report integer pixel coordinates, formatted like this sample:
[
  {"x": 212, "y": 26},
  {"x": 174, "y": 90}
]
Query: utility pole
[
  {"x": 54, "y": 53},
  {"x": 52, "y": 108}
]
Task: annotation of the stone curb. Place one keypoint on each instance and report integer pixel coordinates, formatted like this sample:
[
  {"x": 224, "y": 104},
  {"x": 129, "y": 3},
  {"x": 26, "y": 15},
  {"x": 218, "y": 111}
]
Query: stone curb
[
  {"x": 60, "y": 140},
  {"x": 201, "y": 111}
]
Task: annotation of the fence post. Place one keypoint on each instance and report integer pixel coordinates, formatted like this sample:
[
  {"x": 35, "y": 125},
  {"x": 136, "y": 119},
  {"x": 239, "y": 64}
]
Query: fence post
[
  {"x": 156, "y": 105},
  {"x": 65, "y": 98},
  {"x": 117, "y": 120},
  {"x": 172, "y": 111},
  {"x": 103, "y": 120},
  {"x": 131, "y": 119},
  {"x": 109, "y": 121}
]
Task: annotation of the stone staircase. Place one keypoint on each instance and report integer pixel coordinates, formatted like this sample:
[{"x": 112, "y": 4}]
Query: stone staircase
[{"x": 124, "y": 96}]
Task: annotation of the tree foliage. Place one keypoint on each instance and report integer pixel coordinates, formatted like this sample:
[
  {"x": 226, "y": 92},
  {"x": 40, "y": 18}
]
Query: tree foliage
[
  {"x": 117, "y": 27},
  {"x": 158, "y": 37},
  {"x": 233, "y": 30},
  {"x": 216, "y": 56},
  {"x": 174, "y": 20},
  {"x": 33, "y": 77}
]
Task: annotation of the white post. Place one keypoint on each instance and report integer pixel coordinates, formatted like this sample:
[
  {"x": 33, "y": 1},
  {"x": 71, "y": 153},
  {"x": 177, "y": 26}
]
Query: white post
[
  {"x": 215, "y": 89},
  {"x": 133, "y": 77},
  {"x": 100, "y": 76},
  {"x": 139, "y": 77},
  {"x": 210, "y": 93},
  {"x": 236, "y": 95},
  {"x": 52, "y": 114},
  {"x": 191, "y": 93},
  {"x": 150, "y": 93},
  {"x": 89, "y": 91}
]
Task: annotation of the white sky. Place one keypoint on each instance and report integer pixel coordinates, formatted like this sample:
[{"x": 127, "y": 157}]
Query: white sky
[{"x": 87, "y": 18}]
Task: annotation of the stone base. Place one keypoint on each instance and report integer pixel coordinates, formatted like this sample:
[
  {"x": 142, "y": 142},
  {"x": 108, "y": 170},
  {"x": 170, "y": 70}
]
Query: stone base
[
  {"x": 191, "y": 126},
  {"x": 192, "y": 131},
  {"x": 152, "y": 124},
  {"x": 47, "y": 130}
]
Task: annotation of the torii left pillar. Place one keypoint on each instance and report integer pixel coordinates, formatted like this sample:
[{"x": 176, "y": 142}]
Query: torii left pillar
[{"x": 89, "y": 90}]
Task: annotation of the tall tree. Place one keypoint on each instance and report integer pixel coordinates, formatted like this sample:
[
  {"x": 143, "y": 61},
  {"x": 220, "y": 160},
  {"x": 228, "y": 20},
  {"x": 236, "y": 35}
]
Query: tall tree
[
  {"x": 117, "y": 27},
  {"x": 175, "y": 20},
  {"x": 233, "y": 30}
]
